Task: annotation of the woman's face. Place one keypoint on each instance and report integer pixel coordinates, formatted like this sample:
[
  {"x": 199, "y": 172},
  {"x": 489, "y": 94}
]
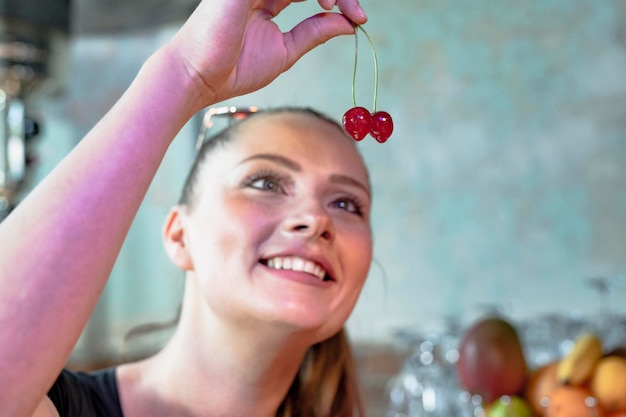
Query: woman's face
[{"x": 280, "y": 231}]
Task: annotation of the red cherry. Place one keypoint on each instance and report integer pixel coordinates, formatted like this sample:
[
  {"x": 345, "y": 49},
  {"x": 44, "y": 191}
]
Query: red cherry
[
  {"x": 357, "y": 122},
  {"x": 382, "y": 126}
]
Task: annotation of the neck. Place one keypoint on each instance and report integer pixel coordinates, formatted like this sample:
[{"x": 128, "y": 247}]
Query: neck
[{"x": 214, "y": 369}]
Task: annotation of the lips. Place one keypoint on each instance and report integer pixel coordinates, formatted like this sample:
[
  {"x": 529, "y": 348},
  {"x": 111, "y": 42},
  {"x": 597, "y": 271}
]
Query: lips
[{"x": 296, "y": 263}]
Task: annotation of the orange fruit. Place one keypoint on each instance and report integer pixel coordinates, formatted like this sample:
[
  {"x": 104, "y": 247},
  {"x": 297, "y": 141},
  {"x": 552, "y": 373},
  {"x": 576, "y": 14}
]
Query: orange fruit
[
  {"x": 541, "y": 383},
  {"x": 571, "y": 401}
]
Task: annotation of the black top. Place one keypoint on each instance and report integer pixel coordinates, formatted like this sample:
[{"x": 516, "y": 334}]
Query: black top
[{"x": 81, "y": 394}]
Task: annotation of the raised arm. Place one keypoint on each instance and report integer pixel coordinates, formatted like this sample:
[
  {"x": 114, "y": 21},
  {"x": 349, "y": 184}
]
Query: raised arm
[{"x": 59, "y": 245}]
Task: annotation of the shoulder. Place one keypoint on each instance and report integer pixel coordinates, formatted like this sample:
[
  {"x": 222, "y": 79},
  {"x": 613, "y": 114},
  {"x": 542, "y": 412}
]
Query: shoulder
[{"x": 86, "y": 394}]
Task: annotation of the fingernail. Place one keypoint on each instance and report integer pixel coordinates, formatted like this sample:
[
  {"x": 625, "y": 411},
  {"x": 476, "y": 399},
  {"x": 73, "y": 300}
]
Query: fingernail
[
  {"x": 362, "y": 13},
  {"x": 328, "y": 4}
]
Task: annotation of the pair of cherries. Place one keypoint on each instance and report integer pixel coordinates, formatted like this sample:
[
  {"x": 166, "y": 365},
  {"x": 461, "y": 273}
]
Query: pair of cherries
[{"x": 358, "y": 121}]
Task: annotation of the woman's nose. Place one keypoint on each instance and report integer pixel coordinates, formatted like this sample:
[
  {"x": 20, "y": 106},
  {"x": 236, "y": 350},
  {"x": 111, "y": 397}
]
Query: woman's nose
[{"x": 309, "y": 221}]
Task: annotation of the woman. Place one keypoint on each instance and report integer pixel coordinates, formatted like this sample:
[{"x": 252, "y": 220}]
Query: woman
[{"x": 246, "y": 326}]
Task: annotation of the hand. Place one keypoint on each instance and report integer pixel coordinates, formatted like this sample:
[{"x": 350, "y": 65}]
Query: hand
[{"x": 232, "y": 47}]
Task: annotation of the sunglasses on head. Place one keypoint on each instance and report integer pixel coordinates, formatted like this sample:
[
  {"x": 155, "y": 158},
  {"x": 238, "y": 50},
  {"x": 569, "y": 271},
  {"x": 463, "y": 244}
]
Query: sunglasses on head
[{"x": 230, "y": 113}]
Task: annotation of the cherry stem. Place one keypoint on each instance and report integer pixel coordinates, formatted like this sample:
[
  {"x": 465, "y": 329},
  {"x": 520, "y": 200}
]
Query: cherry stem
[{"x": 356, "y": 59}]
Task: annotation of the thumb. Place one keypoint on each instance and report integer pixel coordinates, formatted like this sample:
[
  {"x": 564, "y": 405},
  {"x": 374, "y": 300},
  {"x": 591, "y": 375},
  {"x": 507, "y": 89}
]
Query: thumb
[{"x": 313, "y": 32}]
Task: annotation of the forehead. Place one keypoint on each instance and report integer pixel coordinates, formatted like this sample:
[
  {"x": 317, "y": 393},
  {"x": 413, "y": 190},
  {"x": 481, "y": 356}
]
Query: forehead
[{"x": 307, "y": 139}]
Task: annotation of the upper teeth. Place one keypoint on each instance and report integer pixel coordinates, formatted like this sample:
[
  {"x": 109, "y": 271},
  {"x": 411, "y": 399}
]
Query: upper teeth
[{"x": 295, "y": 263}]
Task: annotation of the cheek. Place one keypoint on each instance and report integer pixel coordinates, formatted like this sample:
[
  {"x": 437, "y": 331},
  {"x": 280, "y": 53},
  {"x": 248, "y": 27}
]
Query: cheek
[
  {"x": 358, "y": 254},
  {"x": 360, "y": 249},
  {"x": 238, "y": 226}
]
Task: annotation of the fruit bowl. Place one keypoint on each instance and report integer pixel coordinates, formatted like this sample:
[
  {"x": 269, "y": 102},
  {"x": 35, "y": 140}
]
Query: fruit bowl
[{"x": 572, "y": 367}]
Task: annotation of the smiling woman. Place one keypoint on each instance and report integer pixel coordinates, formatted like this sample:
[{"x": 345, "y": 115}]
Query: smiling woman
[
  {"x": 289, "y": 184},
  {"x": 272, "y": 231}
]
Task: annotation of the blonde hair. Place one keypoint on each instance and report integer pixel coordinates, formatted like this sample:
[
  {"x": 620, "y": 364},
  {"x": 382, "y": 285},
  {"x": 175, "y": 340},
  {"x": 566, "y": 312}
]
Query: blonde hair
[{"x": 326, "y": 384}]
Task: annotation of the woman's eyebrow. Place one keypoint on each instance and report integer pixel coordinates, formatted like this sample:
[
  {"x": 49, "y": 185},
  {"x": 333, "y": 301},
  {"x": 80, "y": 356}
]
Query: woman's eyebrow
[
  {"x": 348, "y": 180},
  {"x": 281, "y": 160}
]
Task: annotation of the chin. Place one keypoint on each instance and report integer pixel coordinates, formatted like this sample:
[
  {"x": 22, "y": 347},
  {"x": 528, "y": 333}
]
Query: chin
[
  {"x": 317, "y": 327},
  {"x": 295, "y": 312}
]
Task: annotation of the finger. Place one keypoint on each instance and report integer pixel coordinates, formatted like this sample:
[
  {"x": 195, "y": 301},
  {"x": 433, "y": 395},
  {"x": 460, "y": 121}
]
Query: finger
[
  {"x": 327, "y": 4},
  {"x": 351, "y": 9},
  {"x": 314, "y": 31}
]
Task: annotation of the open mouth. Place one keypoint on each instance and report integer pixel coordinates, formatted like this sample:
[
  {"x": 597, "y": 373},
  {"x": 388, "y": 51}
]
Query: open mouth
[{"x": 295, "y": 263}]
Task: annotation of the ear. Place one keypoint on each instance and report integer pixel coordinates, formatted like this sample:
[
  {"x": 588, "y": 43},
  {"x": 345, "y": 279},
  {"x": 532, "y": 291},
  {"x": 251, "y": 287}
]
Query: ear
[{"x": 175, "y": 238}]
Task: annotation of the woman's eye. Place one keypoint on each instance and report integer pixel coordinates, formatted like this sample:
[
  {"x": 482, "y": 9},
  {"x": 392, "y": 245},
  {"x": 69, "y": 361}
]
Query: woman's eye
[
  {"x": 268, "y": 184},
  {"x": 349, "y": 205}
]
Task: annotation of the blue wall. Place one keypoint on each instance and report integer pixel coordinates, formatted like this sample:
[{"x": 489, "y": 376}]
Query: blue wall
[{"x": 503, "y": 184}]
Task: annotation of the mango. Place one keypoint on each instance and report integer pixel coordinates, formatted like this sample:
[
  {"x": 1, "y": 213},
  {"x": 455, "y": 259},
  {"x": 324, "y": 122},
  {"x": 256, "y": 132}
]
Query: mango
[
  {"x": 608, "y": 383},
  {"x": 491, "y": 360}
]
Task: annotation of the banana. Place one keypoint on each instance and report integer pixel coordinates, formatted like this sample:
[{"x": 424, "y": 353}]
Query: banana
[
  {"x": 576, "y": 367},
  {"x": 608, "y": 383}
]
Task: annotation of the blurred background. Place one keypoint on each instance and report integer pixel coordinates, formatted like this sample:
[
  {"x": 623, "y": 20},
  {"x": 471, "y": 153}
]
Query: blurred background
[{"x": 503, "y": 186}]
